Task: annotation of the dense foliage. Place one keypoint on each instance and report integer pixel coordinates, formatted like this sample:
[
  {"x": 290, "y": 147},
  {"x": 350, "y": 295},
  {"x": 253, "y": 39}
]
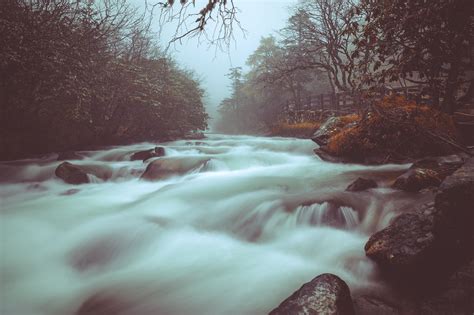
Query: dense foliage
[
  {"x": 358, "y": 47},
  {"x": 423, "y": 42},
  {"x": 76, "y": 73},
  {"x": 260, "y": 95}
]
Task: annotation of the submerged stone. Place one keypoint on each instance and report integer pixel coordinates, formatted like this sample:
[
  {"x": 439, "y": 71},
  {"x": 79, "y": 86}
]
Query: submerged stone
[
  {"x": 71, "y": 174},
  {"x": 148, "y": 154},
  {"x": 361, "y": 184},
  {"x": 164, "y": 168}
]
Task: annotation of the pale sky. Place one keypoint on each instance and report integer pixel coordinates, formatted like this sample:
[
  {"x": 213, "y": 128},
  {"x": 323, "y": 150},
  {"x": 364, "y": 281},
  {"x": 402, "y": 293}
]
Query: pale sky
[{"x": 259, "y": 18}]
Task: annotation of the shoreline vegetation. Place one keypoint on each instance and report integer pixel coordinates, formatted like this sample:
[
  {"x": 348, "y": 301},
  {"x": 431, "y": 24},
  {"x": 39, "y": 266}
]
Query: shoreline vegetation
[{"x": 82, "y": 74}]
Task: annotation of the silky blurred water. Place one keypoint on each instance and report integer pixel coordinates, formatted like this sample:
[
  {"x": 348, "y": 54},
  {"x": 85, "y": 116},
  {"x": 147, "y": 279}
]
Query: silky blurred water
[{"x": 236, "y": 235}]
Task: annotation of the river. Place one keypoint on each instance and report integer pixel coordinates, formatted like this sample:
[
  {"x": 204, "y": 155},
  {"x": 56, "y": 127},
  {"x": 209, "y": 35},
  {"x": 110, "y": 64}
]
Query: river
[{"x": 236, "y": 235}]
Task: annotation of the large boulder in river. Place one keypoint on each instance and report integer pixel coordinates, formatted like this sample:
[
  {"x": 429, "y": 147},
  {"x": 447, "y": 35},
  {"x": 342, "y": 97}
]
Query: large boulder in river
[
  {"x": 395, "y": 130},
  {"x": 71, "y": 174},
  {"x": 428, "y": 172},
  {"x": 166, "y": 167},
  {"x": 330, "y": 127},
  {"x": 361, "y": 184},
  {"x": 325, "y": 294},
  {"x": 148, "y": 154}
]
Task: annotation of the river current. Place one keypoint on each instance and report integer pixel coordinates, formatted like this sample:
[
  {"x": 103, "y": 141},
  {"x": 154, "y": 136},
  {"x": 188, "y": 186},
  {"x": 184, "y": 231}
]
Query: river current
[{"x": 238, "y": 234}]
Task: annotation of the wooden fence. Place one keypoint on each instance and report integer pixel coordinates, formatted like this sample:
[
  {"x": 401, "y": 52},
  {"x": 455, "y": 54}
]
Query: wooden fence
[{"x": 318, "y": 107}]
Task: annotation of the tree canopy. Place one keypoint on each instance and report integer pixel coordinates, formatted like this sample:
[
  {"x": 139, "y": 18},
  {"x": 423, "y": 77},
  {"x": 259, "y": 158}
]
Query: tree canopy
[{"x": 77, "y": 73}]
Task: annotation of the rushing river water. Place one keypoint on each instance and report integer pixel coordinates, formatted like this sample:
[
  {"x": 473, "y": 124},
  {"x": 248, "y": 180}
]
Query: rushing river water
[{"x": 236, "y": 235}]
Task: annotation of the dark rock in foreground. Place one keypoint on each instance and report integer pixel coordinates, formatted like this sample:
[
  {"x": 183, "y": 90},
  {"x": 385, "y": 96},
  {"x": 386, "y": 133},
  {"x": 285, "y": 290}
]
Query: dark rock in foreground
[
  {"x": 455, "y": 203},
  {"x": 325, "y": 294},
  {"x": 148, "y": 154},
  {"x": 370, "y": 305},
  {"x": 456, "y": 296},
  {"x": 431, "y": 241},
  {"x": 407, "y": 246},
  {"x": 361, "y": 184},
  {"x": 71, "y": 174}
]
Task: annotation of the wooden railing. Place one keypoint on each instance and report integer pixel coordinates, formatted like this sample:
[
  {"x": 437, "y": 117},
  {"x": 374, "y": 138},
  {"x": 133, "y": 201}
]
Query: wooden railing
[{"x": 318, "y": 107}]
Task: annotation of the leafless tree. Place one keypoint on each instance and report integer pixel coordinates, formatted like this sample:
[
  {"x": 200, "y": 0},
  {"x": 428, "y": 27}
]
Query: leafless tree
[{"x": 214, "y": 21}]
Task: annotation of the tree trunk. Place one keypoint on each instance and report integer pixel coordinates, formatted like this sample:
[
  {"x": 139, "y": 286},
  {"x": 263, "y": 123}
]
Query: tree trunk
[{"x": 449, "y": 99}]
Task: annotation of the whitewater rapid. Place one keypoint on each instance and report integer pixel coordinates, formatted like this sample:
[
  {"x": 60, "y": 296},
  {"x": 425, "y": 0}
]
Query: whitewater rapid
[{"x": 236, "y": 235}]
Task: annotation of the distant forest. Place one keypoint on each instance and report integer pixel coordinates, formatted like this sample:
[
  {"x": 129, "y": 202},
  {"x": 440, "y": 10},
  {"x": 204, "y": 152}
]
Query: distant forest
[
  {"x": 80, "y": 73},
  {"x": 331, "y": 46}
]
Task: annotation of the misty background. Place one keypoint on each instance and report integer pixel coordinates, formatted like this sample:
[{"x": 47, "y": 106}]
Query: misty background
[{"x": 258, "y": 18}]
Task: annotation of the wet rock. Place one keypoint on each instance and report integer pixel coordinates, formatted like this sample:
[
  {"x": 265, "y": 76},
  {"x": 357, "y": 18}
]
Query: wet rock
[
  {"x": 370, "y": 305},
  {"x": 323, "y": 155},
  {"x": 361, "y": 184},
  {"x": 442, "y": 164},
  {"x": 417, "y": 179},
  {"x": 71, "y": 174},
  {"x": 69, "y": 155},
  {"x": 101, "y": 171},
  {"x": 148, "y": 154},
  {"x": 325, "y": 294},
  {"x": 407, "y": 246},
  {"x": 455, "y": 202},
  {"x": 331, "y": 126},
  {"x": 163, "y": 168},
  {"x": 432, "y": 241},
  {"x": 456, "y": 296},
  {"x": 429, "y": 172}
]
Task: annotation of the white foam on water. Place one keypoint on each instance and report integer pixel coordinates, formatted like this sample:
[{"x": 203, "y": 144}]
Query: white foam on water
[{"x": 236, "y": 235}]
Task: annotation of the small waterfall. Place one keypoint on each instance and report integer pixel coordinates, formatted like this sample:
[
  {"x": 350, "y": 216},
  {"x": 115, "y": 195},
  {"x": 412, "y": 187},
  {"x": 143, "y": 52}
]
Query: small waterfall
[{"x": 326, "y": 214}]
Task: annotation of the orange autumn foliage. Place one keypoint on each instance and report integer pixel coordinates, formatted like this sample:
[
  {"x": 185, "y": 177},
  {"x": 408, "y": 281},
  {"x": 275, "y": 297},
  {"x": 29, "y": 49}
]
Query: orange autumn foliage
[
  {"x": 396, "y": 127},
  {"x": 302, "y": 129}
]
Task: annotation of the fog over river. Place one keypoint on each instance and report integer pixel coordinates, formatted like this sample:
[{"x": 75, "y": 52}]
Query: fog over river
[{"x": 236, "y": 235}]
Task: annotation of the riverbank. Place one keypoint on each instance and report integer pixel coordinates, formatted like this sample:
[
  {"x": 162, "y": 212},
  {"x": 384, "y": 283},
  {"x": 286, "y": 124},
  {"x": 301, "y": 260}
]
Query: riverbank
[{"x": 425, "y": 254}]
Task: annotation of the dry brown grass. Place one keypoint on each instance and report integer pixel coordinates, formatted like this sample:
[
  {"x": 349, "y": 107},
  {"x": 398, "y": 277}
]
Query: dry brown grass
[{"x": 303, "y": 129}]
